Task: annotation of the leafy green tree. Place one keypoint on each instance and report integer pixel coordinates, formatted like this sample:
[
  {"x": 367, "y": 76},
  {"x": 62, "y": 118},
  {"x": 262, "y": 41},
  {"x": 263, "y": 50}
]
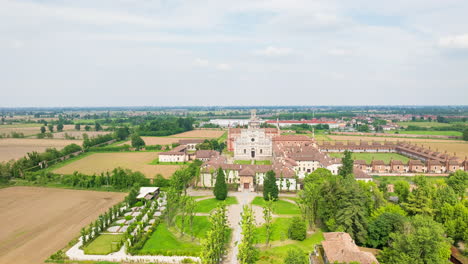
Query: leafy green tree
[
  {"x": 97, "y": 126},
  {"x": 296, "y": 256},
  {"x": 137, "y": 141},
  {"x": 60, "y": 127},
  {"x": 51, "y": 128},
  {"x": 220, "y": 190},
  {"x": 459, "y": 182},
  {"x": 87, "y": 128},
  {"x": 381, "y": 227},
  {"x": 77, "y": 127},
  {"x": 421, "y": 242},
  {"x": 267, "y": 217},
  {"x": 351, "y": 213},
  {"x": 346, "y": 170},
  {"x": 190, "y": 205},
  {"x": 214, "y": 245},
  {"x": 43, "y": 129},
  {"x": 297, "y": 229},
  {"x": 363, "y": 128},
  {"x": 309, "y": 198},
  {"x": 465, "y": 134},
  {"x": 420, "y": 199},
  {"x": 402, "y": 190},
  {"x": 248, "y": 253},
  {"x": 122, "y": 133},
  {"x": 270, "y": 189}
]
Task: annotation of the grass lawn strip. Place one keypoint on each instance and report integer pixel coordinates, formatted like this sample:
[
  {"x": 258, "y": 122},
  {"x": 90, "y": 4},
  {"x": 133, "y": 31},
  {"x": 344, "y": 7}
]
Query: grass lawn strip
[
  {"x": 280, "y": 207},
  {"x": 200, "y": 227},
  {"x": 164, "y": 242},
  {"x": 207, "y": 205},
  {"x": 280, "y": 227},
  {"x": 386, "y": 157},
  {"x": 103, "y": 245},
  {"x": 279, "y": 249}
]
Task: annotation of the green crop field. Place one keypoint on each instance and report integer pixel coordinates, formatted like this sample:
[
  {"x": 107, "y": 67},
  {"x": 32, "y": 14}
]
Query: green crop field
[
  {"x": 386, "y": 157},
  {"x": 279, "y": 207},
  {"x": 103, "y": 245},
  {"x": 207, "y": 205}
]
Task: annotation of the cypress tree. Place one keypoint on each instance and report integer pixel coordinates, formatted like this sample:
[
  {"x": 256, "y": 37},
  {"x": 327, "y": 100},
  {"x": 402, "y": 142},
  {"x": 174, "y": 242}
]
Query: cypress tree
[
  {"x": 270, "y": 189},
  {"x": 220, "y": 189}
]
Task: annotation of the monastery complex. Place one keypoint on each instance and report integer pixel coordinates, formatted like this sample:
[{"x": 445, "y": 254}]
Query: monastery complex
[{"x": 292, "y": 157}]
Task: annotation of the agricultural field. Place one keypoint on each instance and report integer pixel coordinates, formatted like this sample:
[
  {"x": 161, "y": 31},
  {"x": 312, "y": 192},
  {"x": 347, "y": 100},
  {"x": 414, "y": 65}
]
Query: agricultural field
[
  {"x": 35, "y": 216},
  {"x": 157, "y": 141},
  {"x": 426, "y": 133},
  {"x": 458, "y": 146},
  {"x": 386, "y": 157},
  {"x": 200, "y": 134},
  {"x": 102, "y": 162},
  {"x": 79, "y": 134},
  {"x": 426, "y": 124},
  {"x": 15, "y": 148},
  {"x": 26, "y": 129}
]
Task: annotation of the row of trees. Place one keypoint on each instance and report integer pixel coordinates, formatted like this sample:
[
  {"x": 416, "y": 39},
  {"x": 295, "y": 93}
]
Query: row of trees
[
  {"x": 211, "y": 144},
  {"x": 164, "y": 126},
  {"x": 214, "y": 245}
]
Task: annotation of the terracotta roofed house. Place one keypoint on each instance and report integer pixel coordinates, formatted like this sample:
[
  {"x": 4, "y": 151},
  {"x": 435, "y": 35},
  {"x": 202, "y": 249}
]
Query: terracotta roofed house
[{"x": 339, "y": 247}]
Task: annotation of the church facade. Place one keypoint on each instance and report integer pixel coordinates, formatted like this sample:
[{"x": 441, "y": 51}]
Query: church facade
[{"x": 253, "y": 143}]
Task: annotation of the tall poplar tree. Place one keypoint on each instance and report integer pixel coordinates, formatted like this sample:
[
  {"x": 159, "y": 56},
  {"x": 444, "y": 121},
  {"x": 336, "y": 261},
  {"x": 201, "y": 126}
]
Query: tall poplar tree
[
  {"x": 214, "y": 245},
  {"x": 267, "y": 216},
  {"x": 248, "y": 253}
]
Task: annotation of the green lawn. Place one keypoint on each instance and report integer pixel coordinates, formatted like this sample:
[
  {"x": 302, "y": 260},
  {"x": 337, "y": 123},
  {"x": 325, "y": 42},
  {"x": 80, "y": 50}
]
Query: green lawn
[
  {"x": 279, "y": 207},
  {"x": 164, "y": 242},
  {"x": 439, "y": 133},
  {"x": 243, "y": 162},
  {"x": 103, "y": 245},
  {"x": 393, "y": 179},
  {"x": 222, "y": 138},
  {"x": 279, "y": 230},
  {"x": 200, "y": 227},
  {"x": 386, "y": 157},
  {"x": 279, "y": 250},
  {"x": 262, "y": 162},
  {"x": 207, "y": 205}
]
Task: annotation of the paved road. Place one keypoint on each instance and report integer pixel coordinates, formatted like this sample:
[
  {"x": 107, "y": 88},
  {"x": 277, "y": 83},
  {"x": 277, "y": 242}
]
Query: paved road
[{"x": 234, "y": 216}]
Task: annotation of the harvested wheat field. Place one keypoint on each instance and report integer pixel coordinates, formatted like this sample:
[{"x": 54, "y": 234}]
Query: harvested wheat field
[
  {"x": 451, "y": 146},
  {"x": 28, "y": 129},
  {"x": 15, "y": 148},
  {"x": 102, "y": 162},
  {"x": 36, "y": 222},
  {"x": 200, "y": 134}
]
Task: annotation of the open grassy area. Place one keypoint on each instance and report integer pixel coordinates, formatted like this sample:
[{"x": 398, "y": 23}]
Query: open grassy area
[
  {"x": 207, "y": 205},
  {"x": 279, "y": 230},
  {"x": 164, "y": 242},
  {"x": 410, "y": 179},
  {"x": 278, "y": 250},
  {"x": 279, "y": 207},
  {"x": 439, "y": 133},
  {"x": 424, "y": 124},
  {"x": 243, "y": 162},
  {"x": 386, "y": 157},
  {"x": 262, "y": 162},
  {"x": 103, "y": 245},
  {"x": 200, "y": 227}
]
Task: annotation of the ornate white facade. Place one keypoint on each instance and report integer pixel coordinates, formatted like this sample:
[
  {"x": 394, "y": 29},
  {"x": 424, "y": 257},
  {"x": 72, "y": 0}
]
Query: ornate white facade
[{"x": 253, "y": 143}]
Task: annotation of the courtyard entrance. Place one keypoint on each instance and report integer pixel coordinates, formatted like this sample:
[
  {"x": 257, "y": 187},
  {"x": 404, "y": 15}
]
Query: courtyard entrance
[{"x": 246, "y": 186}]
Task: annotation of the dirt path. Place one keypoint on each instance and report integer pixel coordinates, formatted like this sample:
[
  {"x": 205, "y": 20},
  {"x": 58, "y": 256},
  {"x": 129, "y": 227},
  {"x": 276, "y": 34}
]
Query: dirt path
[{"x": 36, "y": 222}]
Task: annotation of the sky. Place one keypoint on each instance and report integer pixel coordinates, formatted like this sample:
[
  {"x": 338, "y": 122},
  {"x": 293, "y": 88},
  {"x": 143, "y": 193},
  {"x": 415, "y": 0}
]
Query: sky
[{"x": 243, "y": 52}]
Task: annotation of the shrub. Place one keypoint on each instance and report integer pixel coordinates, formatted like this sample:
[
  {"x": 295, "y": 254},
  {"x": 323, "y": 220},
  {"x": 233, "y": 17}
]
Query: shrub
[
  {"x": 296, "y": 256},
  {"x": 138, "y": 204},
  {"x": 128, "y": 217},
  {"x": 297, "y": 230}
]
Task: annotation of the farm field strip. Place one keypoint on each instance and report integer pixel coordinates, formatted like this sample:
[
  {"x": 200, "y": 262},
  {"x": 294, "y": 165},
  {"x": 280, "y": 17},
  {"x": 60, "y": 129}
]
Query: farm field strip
[
  {"x": 386, "y": 157},
  {"x": 101, "y": 162},
  {"x": 15, "y": 148},
  {"x": 43, "y": 220},
  {"x": 200, "y": 134}
]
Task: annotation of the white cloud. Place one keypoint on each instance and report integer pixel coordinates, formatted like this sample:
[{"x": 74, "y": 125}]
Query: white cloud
[
  {"x": 201, "y": 63},
  {"x": 271, "y": 51},
  {"x": 456, "y": 41},
  {"x": 223, "y": 67}
]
